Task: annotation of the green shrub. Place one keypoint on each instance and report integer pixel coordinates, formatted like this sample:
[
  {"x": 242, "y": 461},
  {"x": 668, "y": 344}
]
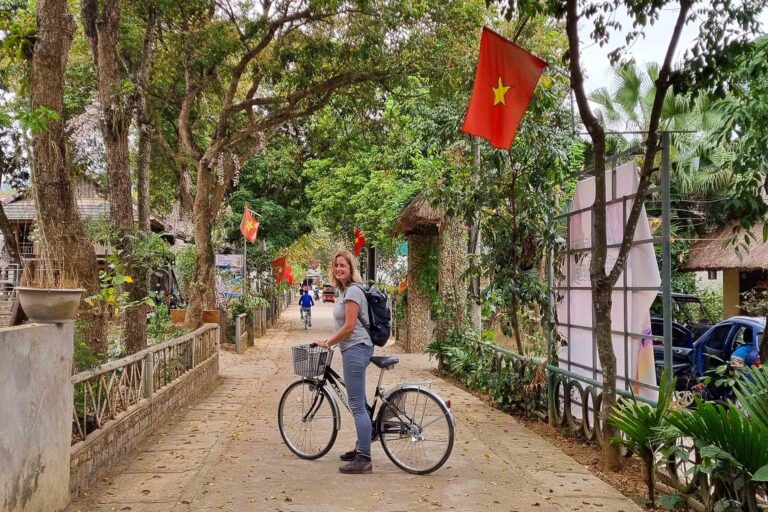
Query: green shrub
[
  {"x": 713, "y": 303},
  {"x": 185, "y": 267}
]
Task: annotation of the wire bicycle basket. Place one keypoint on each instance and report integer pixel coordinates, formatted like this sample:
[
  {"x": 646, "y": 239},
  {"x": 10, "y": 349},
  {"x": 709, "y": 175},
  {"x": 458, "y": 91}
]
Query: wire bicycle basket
[{"x": 309, "y": 361}]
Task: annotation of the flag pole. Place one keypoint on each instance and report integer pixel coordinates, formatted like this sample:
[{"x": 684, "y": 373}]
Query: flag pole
[
  {"x": 474, "y": 241},
  {"x": 245, "y": 266}
]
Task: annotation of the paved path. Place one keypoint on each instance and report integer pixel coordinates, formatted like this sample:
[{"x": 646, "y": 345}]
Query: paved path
[{"x": 225, "y": 453}]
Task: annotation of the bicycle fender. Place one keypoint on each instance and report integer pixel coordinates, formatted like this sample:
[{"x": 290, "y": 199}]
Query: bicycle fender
[{"x": 420, "y": 387}]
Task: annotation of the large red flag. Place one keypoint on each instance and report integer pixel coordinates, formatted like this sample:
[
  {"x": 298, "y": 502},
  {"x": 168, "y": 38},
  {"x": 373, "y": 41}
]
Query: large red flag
[
  {"x": 504, "y": 83},
  {"x": 359, "y": 241},
  {"x": 249, "y": 226},
  {"x": 279, "y": 266}
]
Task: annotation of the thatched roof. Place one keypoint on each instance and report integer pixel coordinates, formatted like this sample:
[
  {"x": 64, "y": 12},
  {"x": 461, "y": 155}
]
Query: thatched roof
[
  {"x": 419, "y": 217},
  {"x": 715, "y": 253}
]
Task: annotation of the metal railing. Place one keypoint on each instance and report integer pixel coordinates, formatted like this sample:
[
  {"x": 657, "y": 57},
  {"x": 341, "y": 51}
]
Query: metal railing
[
  {"x": 572, "y": 400},
  {"x": 103, "y": 392}
]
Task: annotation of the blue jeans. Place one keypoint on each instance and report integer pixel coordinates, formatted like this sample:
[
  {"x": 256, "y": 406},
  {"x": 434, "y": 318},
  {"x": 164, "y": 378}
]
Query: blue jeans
[{"x": 355, "y": 360}]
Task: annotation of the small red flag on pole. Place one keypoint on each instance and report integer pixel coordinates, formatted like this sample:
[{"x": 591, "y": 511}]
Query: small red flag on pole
[
  {"x": 249, "y": 226},
  {"x": 504, "y": 83},
  {"x": 359, "y": 241}
]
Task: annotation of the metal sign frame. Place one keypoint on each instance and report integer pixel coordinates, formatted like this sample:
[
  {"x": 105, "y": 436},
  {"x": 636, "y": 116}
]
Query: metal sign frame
[{"x": 622, "y": 285}]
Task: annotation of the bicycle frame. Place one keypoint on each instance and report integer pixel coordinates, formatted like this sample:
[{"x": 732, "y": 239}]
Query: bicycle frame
[{"x": 338, "y": 388}]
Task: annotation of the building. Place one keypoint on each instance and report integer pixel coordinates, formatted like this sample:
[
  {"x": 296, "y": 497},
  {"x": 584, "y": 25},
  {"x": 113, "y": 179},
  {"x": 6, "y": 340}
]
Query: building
[
  {"x": 741, "y": 269},
  {"x": 92, "y": 203}
]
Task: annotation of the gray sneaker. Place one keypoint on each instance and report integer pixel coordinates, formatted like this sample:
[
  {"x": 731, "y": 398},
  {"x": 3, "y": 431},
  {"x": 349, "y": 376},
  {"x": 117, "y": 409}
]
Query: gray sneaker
[{"x": 360, "y": 466}]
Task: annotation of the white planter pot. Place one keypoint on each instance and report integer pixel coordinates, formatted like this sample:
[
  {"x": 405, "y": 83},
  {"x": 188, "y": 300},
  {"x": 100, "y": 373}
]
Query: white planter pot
[{"x": 49, "y": 305}]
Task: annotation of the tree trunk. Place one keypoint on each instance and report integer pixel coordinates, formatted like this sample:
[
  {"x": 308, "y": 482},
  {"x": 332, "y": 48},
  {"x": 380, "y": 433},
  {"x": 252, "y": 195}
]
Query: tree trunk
[
  {"x": 601, "y": 303},
  {"x": 143, "y": 122},
  {"x": 101, "y": 29},
  {"x": 203, "y": 289},
  {"x": 764, "y": 349},
  {"x": 9, "y": 238},
  {"x": 141, "y": 284},
  {"x": 142, "y": 167},
  {"x": 65, "y": 242},
  {"x": 650, "y": 479},
  {"x": 514, "y": 319}
]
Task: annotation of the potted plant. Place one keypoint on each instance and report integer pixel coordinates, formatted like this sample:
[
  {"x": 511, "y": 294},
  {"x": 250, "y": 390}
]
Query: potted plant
[{"x": 47, "y": 294}]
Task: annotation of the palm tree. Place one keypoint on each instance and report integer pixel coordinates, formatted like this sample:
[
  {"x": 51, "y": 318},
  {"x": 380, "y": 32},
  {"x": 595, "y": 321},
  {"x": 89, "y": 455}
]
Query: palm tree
[{"x": 701, "y": 168}]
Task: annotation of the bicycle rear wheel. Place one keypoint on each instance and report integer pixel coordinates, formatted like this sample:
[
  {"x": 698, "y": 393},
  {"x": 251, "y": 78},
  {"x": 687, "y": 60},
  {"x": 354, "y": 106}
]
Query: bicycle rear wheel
[
  {"x": 416, "y": 430},
  {"x": 308, "y": 419}
]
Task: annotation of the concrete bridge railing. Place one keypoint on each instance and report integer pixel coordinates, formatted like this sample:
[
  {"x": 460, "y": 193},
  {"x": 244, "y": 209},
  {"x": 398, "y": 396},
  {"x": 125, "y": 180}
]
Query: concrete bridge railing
[{"x": 119, "y": 404}]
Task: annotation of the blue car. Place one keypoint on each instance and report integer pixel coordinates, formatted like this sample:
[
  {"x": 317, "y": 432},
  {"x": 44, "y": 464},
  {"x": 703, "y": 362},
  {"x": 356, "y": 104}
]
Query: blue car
[
  {"x": 716, "y": 345},
  {"x": 692, "y": 359}
]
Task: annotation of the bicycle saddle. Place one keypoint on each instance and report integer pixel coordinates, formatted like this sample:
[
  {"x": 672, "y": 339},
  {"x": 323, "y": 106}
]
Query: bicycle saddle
[{"x": 385, "y": 361}]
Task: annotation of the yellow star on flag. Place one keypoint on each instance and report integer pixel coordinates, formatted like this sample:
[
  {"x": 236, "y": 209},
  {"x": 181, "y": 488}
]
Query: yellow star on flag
[{"x": 499, "y": 92}]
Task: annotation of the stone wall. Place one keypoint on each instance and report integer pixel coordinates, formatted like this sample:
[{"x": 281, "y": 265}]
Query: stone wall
[
  {"x": 453, "y": 266},
  {"x": 419, "y": 325},
  {"x": 35, "y": 417},
  {"x": 104, "y": 447}
]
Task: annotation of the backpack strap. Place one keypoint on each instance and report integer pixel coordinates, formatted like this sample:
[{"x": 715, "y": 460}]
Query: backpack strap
[{"x": 368, "y": 308}]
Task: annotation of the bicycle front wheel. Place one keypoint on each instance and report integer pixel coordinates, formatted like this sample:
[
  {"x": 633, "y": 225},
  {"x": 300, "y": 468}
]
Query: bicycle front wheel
[
  {"x": 416, "y": 430},
  {"x": 309, "y": 419}
]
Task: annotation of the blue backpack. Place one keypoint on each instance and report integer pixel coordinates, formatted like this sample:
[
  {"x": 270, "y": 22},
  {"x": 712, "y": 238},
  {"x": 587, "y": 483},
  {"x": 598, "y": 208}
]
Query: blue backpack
[{"x": 379, "y": 315}]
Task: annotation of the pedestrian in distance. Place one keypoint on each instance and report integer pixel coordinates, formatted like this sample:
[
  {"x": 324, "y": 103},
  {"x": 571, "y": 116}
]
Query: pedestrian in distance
[{"x": 350, "y": 315}]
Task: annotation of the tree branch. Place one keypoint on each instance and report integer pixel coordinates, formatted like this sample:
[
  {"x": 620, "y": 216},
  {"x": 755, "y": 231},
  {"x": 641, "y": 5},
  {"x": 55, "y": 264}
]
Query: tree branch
[
  {"x": 249, "y": 55},
  {"x": 597, "y": 134},
  {"x": 663, "y": 83}
]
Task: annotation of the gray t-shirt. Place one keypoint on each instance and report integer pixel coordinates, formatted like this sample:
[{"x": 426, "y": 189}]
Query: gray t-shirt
[{"x": 355, "y": 294}]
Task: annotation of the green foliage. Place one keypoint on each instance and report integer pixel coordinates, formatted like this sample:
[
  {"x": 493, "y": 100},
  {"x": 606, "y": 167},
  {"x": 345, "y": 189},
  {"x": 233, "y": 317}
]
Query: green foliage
[
  {"x": 755, "y": 302},
  {"x": 185, "y": 267},
  {"x": 743, "y": 110},
  {"x": 509, "y": 381},
  {"x": 113, "y": 295},
  {"x": 642, "y": 427},
  {"x": 751, "y": 392},
  {"x": 160, "y": 328},
  {"x": 273, "y": 186},
  {"x": 713, "y": 302},
  {"x": 426, "y": 281},
  {"x": 732, "y": 446},
  {"x": 84, "y": 358},
  {"x": 36, "y": 121},
  {"x": 641, "y": 423}
]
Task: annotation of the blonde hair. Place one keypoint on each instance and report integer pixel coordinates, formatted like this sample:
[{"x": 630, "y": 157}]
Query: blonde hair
[{"x": 353, "y": 270}]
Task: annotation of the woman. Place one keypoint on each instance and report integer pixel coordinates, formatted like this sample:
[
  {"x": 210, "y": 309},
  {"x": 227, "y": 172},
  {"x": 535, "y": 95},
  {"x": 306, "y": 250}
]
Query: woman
[{"x": 350, "y": 316}]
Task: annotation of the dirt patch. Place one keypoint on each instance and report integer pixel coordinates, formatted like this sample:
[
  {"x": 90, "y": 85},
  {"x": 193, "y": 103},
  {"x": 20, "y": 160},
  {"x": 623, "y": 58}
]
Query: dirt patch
[{"x": 627, "y": 481}]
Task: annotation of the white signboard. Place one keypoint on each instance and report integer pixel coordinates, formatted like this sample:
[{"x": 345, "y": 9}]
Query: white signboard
[
  {"x": 575, "y": 309},
  {"x": 233, "y": 262}
]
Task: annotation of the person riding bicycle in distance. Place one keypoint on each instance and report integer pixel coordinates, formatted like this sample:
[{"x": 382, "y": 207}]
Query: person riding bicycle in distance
[
  {"x": 350, "y": 315},
  {"x": 306, "y": 303}
]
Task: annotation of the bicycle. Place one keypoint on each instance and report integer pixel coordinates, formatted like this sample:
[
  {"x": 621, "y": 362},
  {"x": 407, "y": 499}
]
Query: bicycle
[
  {"x": 414, "y": 425},
  {"x": 307, "y": 315}
]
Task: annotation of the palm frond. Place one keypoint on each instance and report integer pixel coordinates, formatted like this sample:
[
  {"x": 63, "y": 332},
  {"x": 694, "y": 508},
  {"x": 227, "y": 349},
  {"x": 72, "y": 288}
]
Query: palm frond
[{"x": 752, "y": 393}]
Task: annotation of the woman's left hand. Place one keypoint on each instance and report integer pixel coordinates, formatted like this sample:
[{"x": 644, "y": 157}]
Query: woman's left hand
[{"x": 321, "y": 343}]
